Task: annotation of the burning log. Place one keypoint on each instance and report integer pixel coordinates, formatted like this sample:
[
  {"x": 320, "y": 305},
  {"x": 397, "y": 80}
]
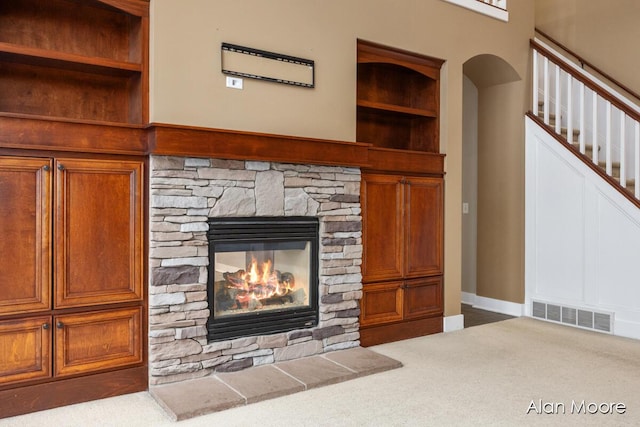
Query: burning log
[{"x": 257, "y": 288}]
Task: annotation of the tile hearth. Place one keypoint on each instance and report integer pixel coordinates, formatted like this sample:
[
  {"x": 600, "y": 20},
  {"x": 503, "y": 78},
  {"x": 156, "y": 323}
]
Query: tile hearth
[{"x": 188, "y": 399}]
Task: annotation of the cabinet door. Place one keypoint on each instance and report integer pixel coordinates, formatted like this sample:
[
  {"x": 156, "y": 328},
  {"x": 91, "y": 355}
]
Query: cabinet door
[
  {"x": 25, "y": 234},
  {"x": 25, "y": 349},
  {"x": 423, "y": 297},
  {"x": 98, "y": 232},
  {"x": 381, "y": 303},
  {"x": 97, "y": 341},
  {"x": 424, "y": 227},
  {"x": 382, "y": 201}
]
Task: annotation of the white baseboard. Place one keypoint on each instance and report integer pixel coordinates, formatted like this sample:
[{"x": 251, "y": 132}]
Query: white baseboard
[
  {"x": 495, "y": 305},
  {"x": 468, "y": 298},
  {"x": 453, "y": 323}
]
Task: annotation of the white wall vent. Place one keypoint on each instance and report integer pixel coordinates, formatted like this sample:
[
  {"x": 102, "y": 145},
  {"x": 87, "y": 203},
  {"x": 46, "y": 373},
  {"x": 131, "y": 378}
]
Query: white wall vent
[{"x": 572, "y": 316}]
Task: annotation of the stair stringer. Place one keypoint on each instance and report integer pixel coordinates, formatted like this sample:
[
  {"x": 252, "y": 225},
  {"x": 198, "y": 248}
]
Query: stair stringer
[{"x": 582, "y": 237}]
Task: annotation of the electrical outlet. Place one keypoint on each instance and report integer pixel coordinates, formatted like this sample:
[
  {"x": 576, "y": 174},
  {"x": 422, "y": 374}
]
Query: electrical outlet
[
  {"x": 234, "y": 82},
  {"x": 465, "y": 208}
]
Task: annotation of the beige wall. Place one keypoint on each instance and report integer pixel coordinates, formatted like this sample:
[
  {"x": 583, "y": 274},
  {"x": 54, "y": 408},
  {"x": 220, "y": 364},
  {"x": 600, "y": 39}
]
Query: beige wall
[
  {"x": 188, "y": 88},
  {"x": 469, "y": 186},
  {"x": 501, "y": 191},
  {"x": 604, "y": 32}
]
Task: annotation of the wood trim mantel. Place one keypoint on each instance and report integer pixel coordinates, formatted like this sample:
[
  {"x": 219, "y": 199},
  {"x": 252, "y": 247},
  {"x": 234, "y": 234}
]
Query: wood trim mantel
[
  {"x": 173, "y": 140},
  {"x": 43, "y": 133},
  {"x": 24, "y": 132}
]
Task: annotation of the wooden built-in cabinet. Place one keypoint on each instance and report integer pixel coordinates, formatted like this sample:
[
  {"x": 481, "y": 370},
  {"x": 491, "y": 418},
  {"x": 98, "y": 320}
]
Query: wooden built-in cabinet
[
  {"x": 73, "y": 107},
  {"x": 25, "y": 227},
  {"x": 25, "y": 346},
  {"x": 402, "y": 256},
  {"x": 402, "y": 194},
  {"x": 71, "y": 301},
  {"x": 405, "y": 226},
  {"x": 98, "y": 217}
]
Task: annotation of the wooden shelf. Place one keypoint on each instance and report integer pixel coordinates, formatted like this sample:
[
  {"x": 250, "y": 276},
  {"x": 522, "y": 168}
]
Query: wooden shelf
[
  {"x": 88, "y": 27},
  {"x": 55, "y": 92},
  {"x": 42, "y": 57},
  {"x": 398, "y": 131},
  {"x": 392, "y": 108}
]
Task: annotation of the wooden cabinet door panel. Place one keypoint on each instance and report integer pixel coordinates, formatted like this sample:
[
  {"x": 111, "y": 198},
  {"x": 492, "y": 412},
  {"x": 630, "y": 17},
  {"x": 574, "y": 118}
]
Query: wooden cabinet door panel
[
  {"x": 381, "y": 303},
  {"x": 382, "y": 200},
  {"x": 423, "y": 297},
  {"x": 98, "y": 232},
  {"x": 25, "y": 349},
  {"x": 424, "y": 227},
  {"x": 25, "y": 234},
  {"x": 96, "y": 341}
]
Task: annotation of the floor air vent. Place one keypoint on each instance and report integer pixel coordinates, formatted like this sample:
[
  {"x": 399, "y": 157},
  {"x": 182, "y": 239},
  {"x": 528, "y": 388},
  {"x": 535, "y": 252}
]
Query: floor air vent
[{"x": 579, "y": 317}]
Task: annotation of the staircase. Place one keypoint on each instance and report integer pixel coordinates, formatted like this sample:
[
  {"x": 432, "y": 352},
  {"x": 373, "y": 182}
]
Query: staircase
[
  {"x": 584, "y": 112},
  {"x": 582, "y": 199},
  {"x": 588, "y": 155}
]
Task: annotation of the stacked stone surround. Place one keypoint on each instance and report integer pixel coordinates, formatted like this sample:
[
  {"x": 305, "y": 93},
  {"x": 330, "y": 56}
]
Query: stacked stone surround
[{"x": 185, "y": 192}]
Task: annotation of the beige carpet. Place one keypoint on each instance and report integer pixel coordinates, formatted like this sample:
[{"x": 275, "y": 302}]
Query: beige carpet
[{"x": 485, "y": 375}]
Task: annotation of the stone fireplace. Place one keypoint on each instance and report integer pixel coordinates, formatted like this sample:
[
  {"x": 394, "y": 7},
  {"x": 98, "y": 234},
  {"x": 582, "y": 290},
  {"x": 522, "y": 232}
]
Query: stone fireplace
[{"x": 187, "y": 195}]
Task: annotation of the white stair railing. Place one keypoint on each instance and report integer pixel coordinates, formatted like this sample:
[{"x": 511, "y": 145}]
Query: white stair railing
[
  {"x": 602, "y": 124},
  {"x": 502, "y": 4}
]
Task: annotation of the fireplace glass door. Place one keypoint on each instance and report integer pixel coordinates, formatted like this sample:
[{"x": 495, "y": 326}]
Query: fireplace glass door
[
  {"x": 262, "y": 275},
  {"x": 255, "y": 277}
]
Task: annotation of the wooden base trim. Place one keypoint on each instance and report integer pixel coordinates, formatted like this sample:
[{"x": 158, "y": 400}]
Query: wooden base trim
[
  {"x": 400, "y": 331},
  {"x": 39, "y": 397}
]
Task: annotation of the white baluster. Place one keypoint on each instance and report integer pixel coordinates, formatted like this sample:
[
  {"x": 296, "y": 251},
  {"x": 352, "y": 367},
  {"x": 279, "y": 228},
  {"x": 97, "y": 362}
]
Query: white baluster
[
  {"x": 535, "y": 83},
  {"x": 582, "y": 108},
  {"x": 569, "y": 110},
  {"x": 609, "y": 164},
  {"x": 546, "y": 90},
  {"x": 558, "y": 102},
  {"x": 594, "y": 128},
  {"x": 623, "y": 148},
  {"x": 637, "y": 159}
]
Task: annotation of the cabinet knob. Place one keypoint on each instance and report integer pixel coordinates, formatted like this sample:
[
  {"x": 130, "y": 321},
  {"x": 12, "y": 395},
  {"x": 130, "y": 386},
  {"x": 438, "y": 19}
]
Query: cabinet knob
[
  {"x": 60, "y": 167},
  {"x": 46, "y": 168},
  {"x": 60, "y": 325},
  {"x": 45, "y": 326}
]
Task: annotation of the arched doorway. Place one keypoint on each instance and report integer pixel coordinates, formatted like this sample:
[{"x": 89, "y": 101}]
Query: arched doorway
[{"x": 494, "y": 99}]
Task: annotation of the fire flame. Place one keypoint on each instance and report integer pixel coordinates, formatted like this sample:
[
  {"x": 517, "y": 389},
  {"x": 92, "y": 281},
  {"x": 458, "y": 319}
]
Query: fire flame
[{"x": 262, "y": 281}]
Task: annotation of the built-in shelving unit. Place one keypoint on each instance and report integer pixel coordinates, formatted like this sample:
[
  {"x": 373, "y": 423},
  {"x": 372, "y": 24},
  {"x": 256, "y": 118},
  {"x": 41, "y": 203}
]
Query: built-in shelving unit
[
  {"x": 73, "y": 111},
  {"x": 72, "y": 59},
  {"x": 402, "y": 194},
  {"x": 397, "y": 99}
]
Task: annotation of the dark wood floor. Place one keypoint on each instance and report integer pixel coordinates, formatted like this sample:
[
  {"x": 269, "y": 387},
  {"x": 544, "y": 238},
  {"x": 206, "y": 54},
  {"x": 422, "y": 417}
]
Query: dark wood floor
[{"x": 475, "y": 316}]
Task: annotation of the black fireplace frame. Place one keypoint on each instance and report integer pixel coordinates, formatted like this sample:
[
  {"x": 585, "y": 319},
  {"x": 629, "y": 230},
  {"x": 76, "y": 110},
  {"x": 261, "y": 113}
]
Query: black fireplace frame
[{"x": 245, "y": 230}]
